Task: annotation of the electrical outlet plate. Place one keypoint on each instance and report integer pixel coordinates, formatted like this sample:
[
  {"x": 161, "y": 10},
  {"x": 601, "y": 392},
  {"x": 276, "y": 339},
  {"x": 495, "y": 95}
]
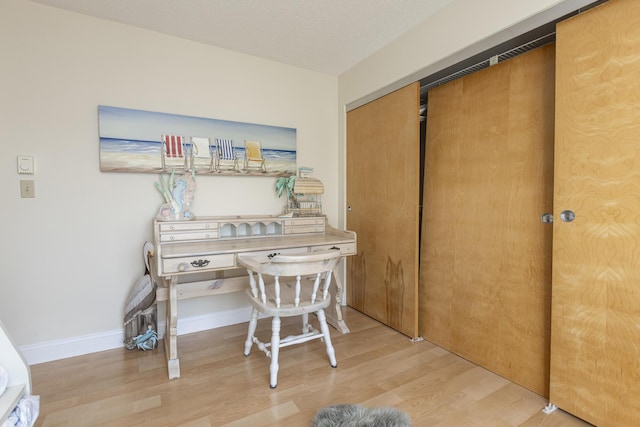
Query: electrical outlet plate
[{"x": 27, "y": 189}]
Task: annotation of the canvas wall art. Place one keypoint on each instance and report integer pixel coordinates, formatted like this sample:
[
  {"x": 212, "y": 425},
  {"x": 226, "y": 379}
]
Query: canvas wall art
[{"x": 152, "y": 142}]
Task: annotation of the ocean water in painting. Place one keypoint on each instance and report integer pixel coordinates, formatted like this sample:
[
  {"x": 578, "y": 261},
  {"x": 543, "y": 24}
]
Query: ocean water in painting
[{"x": 130, "y": 141}]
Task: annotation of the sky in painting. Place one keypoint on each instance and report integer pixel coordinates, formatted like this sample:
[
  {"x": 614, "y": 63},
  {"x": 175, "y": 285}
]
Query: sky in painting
[{"x": 123, "y": 123}]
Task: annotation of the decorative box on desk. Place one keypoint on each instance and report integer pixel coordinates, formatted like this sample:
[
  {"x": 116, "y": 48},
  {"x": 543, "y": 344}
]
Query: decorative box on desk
[
  {"x": 199, "y": 257},
  {"x": 306, "y": 198}
]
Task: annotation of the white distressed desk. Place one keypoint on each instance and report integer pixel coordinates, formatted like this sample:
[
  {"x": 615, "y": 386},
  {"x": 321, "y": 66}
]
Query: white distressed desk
[{"x": 199, "y": 257}]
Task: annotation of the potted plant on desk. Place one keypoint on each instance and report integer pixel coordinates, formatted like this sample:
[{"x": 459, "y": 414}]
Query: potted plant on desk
[{"x": 285, "y": 185}]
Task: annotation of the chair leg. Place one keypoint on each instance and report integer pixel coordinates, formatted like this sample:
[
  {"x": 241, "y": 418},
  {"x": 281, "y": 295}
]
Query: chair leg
[
  {"x": 305, "y": 323},
  {"x": 275, "y": 350},
  {"x": 327, "y": 338},
  {"x": 252, "y": 330}
]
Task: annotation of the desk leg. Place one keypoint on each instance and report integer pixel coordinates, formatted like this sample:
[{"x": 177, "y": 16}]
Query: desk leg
[
  {"x": 171, "y": 332},
  {"x": 334, "y": 311}
]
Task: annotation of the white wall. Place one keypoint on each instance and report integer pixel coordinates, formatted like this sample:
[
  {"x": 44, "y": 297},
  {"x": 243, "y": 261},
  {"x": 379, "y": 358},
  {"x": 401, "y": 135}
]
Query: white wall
[
  {"x": 71, "y": 255},
  {"x": 452, "y": 29}
]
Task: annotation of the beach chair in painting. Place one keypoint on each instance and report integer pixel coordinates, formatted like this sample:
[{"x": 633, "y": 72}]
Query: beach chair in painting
[
  {"x": 225, "y": 155},
  {"x": 173, "y": 152},
  {"x": 253, "y": 156},
  {"x": 201, "y": 155}
]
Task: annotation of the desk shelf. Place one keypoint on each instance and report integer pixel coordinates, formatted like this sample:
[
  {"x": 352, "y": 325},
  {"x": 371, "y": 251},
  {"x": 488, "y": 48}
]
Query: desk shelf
[{"x": 231, "y": 230}]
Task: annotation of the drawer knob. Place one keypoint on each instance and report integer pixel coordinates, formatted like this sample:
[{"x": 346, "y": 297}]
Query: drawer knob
[
  {"x": 182, "y": 266},
  {"x": 200, "y": 263}
]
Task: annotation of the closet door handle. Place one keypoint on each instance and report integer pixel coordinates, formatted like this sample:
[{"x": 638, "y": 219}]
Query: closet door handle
[
  {"x": 567, "y": 216},
  {"x": 547, "y": 218}
]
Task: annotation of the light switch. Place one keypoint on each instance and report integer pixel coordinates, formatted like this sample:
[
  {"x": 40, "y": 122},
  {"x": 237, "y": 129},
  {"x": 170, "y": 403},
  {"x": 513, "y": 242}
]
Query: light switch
[
  {"x": 25, "y": 164},
  {"x": 27, "y": 188}
]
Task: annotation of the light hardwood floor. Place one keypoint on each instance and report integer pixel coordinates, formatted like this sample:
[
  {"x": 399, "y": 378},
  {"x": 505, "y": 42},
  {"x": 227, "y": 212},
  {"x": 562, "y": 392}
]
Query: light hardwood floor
[{"x": 377, "y": 366}]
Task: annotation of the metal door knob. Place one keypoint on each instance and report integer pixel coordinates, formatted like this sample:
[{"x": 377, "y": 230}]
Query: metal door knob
[
  {"x": 567, "y": 216},
  {"x": 547, "y": 218}
]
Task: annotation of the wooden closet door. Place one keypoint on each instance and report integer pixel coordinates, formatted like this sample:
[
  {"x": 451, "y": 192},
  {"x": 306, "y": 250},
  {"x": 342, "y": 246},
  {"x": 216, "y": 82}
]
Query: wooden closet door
[
  {"x": 485, "y": 273},
  {"x": 595, "y": 333},
  {"x": 382, "y": 196}
]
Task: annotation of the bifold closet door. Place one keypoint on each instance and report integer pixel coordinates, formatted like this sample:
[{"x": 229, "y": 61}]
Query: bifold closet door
[
  {"x": 485, "y": 272},
  {"x": 595, "y": 333},
  {"x": 383, "y": 183}
]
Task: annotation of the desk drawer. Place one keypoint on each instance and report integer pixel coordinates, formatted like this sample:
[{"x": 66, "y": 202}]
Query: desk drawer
[
  {"x": 188, "y": 225},
  {"x": 303, "y": 225},
  {"x": 184, "y": 236},
  {"x": 265, "y": 255},
  {"x": 303, "y": 221},
  {"x": 345, "y": 248},
  {"x": 201, "y": 263},
  {"x": 302, "y": 229}
]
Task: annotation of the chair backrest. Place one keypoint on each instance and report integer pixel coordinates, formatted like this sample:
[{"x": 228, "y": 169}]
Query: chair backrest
[
  {"x": 318, "y": 264},
  {"x": 200, "y": 147},
  {"x": 173, "y": 145},
  {"x": 225, "y": 149},
  {"x": 253, "y": 150}
]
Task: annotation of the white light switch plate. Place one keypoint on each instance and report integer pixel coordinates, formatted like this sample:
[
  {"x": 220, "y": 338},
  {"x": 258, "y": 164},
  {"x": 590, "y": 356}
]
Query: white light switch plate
[{"x": 25, "y": 164}]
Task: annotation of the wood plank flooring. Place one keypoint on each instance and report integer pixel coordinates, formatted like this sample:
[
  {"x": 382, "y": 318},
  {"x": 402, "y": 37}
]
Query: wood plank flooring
[{"x": 377, "y": 366}]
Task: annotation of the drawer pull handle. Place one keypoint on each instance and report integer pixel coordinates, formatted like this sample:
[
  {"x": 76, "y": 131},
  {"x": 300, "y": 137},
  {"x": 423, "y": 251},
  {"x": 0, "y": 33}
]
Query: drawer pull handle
[
  {"x": 335, "y": 248},
  {"x": 200, "y": 263},
  {"x": 273, "y": 254}
]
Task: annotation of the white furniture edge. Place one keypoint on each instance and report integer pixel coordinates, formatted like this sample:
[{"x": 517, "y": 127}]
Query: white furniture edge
[
  {"x": 10, "y": 399},
  {"x": 19, "y": 374}
]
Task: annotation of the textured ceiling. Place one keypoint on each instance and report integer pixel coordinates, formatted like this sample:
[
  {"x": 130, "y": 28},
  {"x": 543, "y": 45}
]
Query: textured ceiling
[{"x": 328, "y": 36}]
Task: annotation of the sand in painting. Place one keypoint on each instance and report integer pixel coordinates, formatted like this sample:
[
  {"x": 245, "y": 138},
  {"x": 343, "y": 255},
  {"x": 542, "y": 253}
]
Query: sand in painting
[{"x": 149, "y": 163}]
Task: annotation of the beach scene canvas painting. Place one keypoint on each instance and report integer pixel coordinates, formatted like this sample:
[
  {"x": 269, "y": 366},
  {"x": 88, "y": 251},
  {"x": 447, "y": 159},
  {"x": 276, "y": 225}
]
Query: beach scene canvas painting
[{"x": 153, "y": 142}]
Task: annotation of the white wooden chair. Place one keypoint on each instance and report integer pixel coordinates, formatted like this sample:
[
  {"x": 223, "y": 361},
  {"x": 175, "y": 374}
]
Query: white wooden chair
[{"x": 285, "y": 286}]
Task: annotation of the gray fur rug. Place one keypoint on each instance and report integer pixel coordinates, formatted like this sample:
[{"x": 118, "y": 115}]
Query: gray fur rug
[{"x": 358, "y": 416}]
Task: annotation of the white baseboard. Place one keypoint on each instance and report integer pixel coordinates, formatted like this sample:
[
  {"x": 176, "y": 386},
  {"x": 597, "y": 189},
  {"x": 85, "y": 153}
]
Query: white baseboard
[{"x": 76, "y": 346}]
